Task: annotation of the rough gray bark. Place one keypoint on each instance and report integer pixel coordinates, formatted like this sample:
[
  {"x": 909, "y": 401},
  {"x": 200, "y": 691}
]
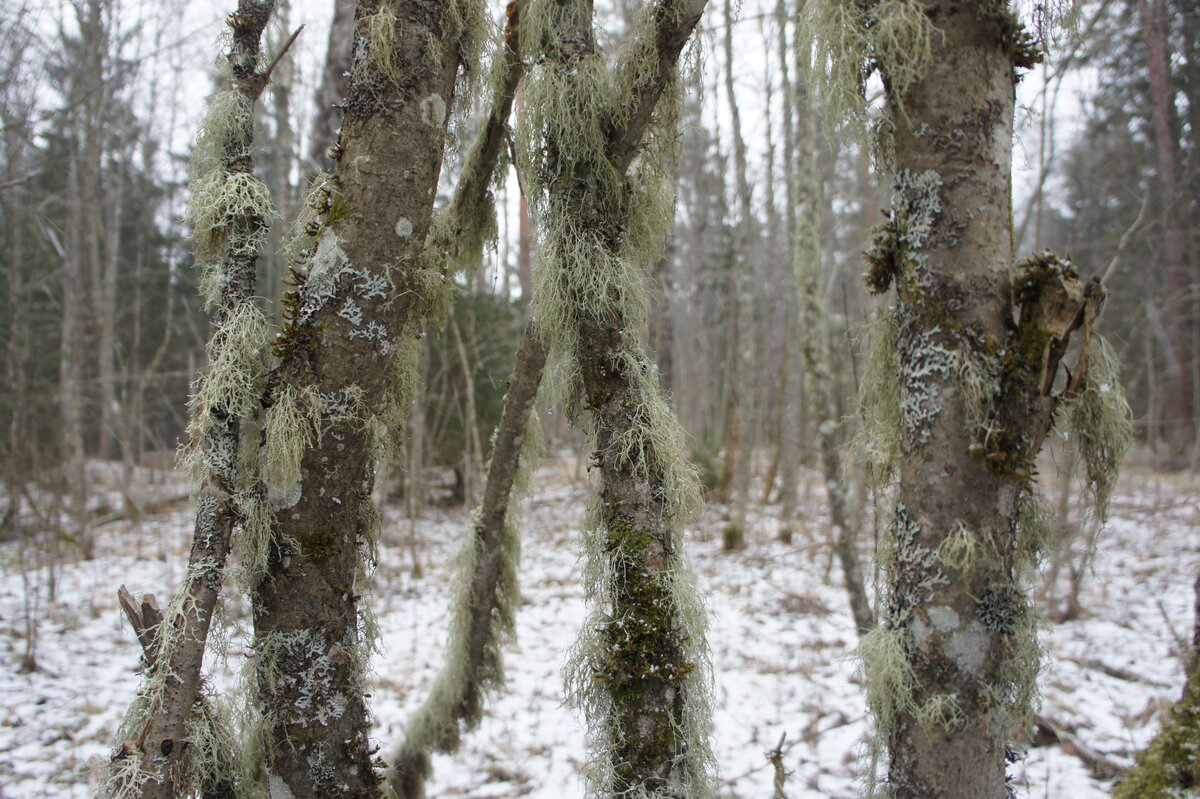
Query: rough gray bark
[
  {"x": 174, "y": 657},
  {"x": 638, "y": 670},
  {"x": 952, "y": 668},
  {"x": 363, "y": 292}
]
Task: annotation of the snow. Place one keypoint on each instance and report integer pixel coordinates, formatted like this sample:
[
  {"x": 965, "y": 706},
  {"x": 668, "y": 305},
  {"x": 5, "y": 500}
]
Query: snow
[{"x": 780, "y": 632}]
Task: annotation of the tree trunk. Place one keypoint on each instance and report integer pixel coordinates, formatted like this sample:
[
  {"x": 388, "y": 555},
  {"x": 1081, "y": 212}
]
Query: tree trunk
[
  {"x": 365, "y": 286},
  {"x": 484, "y": 614},
  {"x": 951, "y": 671},
  {"x": 158, "y": 757},
  {"x": 335, "y": 78},
  {"x": 815, "y": 348},
  {"x": 1180, "y": 430},
  {"x": 638, "y": 669},
  {"x": 744, "y": 396}
]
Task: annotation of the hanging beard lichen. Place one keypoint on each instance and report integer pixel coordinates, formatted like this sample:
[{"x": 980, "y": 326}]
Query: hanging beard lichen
[
  {"x": 1100, "y": 425},
  {"x": 853, "y": 39}
]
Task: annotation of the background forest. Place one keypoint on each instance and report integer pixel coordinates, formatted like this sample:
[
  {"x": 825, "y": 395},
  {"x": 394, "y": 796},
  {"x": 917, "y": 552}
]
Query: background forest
[{"x": 761, "y": 359}]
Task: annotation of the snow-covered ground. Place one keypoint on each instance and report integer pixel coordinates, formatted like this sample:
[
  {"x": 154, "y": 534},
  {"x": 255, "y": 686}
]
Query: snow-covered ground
[{"x": 780, "y": 633}]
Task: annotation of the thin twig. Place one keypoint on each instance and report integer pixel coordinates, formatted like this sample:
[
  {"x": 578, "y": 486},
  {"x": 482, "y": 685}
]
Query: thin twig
[{"x": 266, "y": 75}]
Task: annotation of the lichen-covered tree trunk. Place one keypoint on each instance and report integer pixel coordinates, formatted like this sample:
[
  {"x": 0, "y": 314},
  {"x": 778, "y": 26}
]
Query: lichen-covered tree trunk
[
  {"x": 967, "y": 634},
  {"x": 364, "y": 286},
  {"x": 486, "y": 592},
  {"x": 1170, "y": 765},
  {"x": 951, "y": 669},
  {"x": 639, "y": 669},
  {"x": 160, "y": 757},
  {"x": 814, "y": 343}
]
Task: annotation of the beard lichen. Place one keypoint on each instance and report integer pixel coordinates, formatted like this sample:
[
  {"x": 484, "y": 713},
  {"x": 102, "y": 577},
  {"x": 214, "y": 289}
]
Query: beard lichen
[
  {"x": 877, "y": 439},
  {"x": 289, "y": 429},
  {"x": 853, "y": 39},
  {"x": 473, "y": 666},
  {"x": 619, "y": 658},
  {"x": 1100, "y": 426}
]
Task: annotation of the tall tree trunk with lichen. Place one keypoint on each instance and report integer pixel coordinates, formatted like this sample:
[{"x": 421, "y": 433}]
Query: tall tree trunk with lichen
[
  {"x": 230, "y": 213},
  {"x": 486, "y": 592},
  {"x": 364, "y": 285},
  {"x": 978, "y": 343},
  {"x": 638, "y": 670},
  {"x": 487, "y": 596},
  {"x": 815, "y": 349}
]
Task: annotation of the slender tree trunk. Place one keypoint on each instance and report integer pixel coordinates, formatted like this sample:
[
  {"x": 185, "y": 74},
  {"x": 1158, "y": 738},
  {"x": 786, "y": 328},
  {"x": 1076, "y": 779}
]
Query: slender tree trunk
[
  {"x": 745, "y": 238},
  {"x": 1177, "y": 304},
  {"x": 789, "y": 426},
  {"x": 335, "y": 78},
  {"x": 814, "y": 346},
  {"x": 485, "y": 614},
  {"x": 158, "y": 758},
  {"x": 106, "y": 325},
  {"x": 282, "y": 148},
  {"x": 638, "y": 667}
]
